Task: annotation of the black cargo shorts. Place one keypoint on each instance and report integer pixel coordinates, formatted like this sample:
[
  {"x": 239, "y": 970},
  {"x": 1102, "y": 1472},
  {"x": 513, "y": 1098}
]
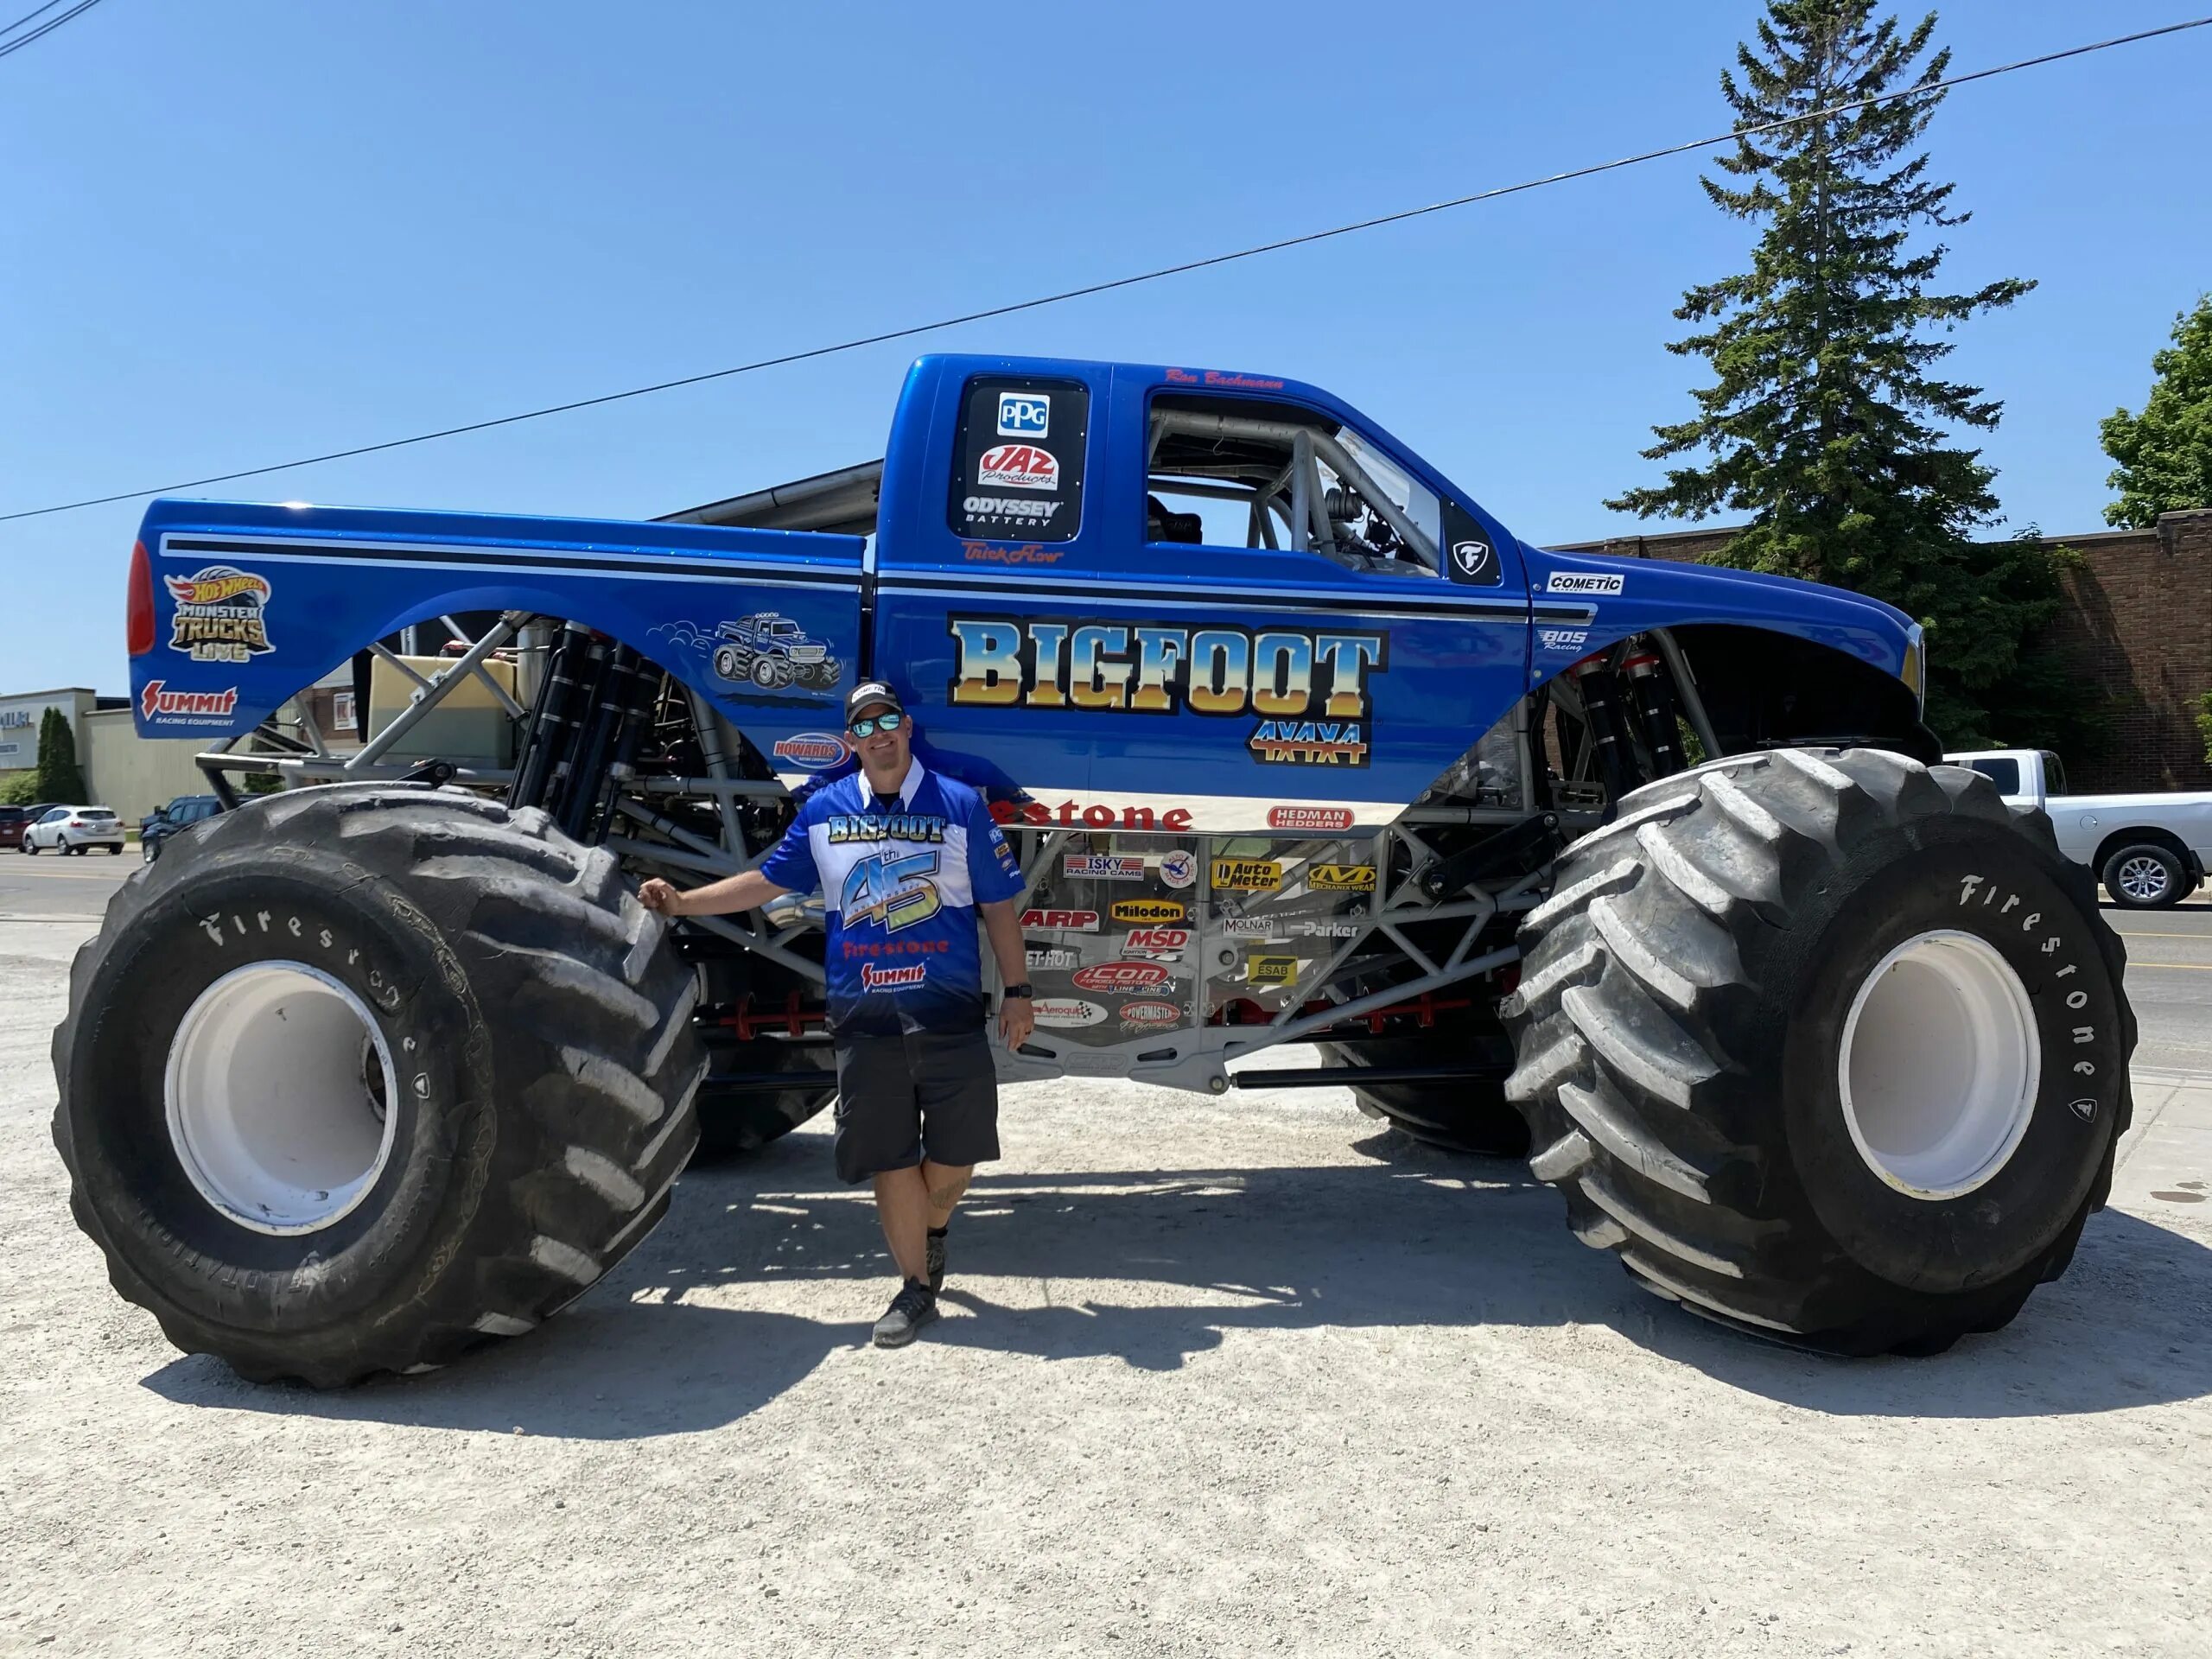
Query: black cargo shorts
[{"x": 916, "y": 1095}]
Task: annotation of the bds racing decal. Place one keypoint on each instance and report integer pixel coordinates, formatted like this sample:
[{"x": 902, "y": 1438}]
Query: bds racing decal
[{"x": 221, "y": 614}]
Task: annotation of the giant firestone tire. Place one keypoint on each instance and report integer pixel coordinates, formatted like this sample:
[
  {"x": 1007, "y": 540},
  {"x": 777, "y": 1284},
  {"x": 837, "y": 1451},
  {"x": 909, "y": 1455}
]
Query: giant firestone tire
[
  {"x": 357, "y": 1077},
  {"x": 1827, "y": 1046},
  {"x": 1468, "y": 1115}
]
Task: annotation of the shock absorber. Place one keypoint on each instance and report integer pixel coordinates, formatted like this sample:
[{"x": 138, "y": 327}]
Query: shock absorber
[
  {"x": 554, "y": 716},
  {"x": 1655, "y": 712},
  {"x": 1601, "y": 712}
]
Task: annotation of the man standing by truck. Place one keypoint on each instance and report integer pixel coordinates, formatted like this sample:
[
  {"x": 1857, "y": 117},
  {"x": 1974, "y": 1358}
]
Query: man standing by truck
[{"x": 906, "y": 861}]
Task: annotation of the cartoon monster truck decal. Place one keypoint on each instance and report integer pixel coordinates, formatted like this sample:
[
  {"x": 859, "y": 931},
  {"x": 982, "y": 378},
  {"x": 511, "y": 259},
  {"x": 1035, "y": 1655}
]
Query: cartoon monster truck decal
[{"x": 772, "y": 652}]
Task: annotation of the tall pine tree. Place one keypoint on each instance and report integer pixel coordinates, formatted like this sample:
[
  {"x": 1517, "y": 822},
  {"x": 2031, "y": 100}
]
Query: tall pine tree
[
  {"x": 59, "y": 780},
  {"x": 1825, "y": 420}
]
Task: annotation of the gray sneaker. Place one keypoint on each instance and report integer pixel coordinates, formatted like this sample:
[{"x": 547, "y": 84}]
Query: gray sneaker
[
  {"x": 935, "y": 1262},
  {"x": 914, "y": 1306}
]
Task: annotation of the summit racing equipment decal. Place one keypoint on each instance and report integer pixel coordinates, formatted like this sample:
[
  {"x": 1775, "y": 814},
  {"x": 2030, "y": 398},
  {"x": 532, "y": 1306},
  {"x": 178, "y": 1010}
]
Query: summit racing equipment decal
[
  {"x": 1025, "y": 414},
  {"x": 1074, "y": 921},
  {"x": 1584, "y": 581},
  {"x": 1309, "y": 686},
  {"x": 159, "y": 706},
  {"x": 221, "y": 614},
  {"x": 811, "y": 751},
  {"x": 1019, "y": 466},
  {"x": 891, "y": 890},
  {"x": 874, "y": 978}
]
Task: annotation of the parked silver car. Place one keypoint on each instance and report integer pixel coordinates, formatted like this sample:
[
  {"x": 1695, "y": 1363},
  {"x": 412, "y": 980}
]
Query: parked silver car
[{"x": 75, "y": 830}]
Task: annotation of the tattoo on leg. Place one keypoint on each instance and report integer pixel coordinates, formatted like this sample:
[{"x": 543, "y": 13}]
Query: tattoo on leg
[{"x": 945, "y": 1196}]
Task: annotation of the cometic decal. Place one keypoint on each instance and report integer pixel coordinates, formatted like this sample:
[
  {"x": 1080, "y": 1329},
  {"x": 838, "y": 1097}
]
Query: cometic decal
[
  {"x": 1250, "y": 874},
  {"x": 1308, "y": 687},
  {"x": 221, "y": 614},
  {"x": 1153, "y": 910},
  {"x": 1583, "y": 582}
]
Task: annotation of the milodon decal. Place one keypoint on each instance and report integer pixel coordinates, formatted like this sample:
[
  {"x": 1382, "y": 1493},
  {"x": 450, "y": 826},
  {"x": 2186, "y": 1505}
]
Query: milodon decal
[
  {"x": 159, "y": 706},
  {"x": 893, "y": 890},
  {"x": 1250, "y": 874},
  {"x": 221, "y": 614},
  {"x": 1309, "y": 688},
  {"x": 811, "y": 751},
  {"x": 1075, "y": 815},
  {"x": 1341, "y": 878},
  {"x": 1153, "y": 910},
  {"x": 1077, "y": 921}
]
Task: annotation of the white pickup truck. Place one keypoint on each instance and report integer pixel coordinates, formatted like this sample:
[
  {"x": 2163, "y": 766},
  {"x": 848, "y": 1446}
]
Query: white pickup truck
[{"x": 2149, "y": 850}]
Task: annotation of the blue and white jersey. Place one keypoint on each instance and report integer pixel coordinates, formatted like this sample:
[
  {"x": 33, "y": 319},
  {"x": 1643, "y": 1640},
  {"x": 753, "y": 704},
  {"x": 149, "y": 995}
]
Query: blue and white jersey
[{"x": 899, "y": 888}]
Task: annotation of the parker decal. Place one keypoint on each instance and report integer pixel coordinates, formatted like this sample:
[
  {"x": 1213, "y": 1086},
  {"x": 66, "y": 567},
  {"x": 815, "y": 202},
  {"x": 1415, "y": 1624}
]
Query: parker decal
[
  {"x": 1341, "y": 878},
  {"x": 1102, "y": 866},
  {"x": 1309, "y": 688},
  {"x": 1073, "y": 815},
  {"x": 1248, "y": 874},
  {"x": 1583, "y": 582},
  {"x": 1122, "y": 976},
  {"x": 811, "y": 751},
  {"x": 159, "y": 706},
  {"x": 221, "y": 614},
  {"x": 1309, "y": 817},
  {"x": 1019, "y": 466},
  {"x": 1271, "y": 970},
  {"x": 1075, "y": 921},
  {"x": 1152, "y": 910}
]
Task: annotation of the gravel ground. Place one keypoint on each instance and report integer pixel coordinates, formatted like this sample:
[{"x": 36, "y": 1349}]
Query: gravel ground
[{"x": 1216, "y": 1377}]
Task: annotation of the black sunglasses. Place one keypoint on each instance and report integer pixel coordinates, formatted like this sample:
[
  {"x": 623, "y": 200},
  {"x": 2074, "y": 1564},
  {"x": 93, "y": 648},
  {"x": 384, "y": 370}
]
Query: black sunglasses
[{"x": 874, "y": 723}]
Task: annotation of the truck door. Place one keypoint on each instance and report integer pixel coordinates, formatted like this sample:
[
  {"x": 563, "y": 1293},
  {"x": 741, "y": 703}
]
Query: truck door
[{"x": 1161, "y": 598}]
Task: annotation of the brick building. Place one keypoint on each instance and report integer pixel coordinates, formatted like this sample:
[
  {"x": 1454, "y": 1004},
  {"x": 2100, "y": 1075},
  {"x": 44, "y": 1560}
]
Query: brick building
[{"x": 2138, "y": 625}]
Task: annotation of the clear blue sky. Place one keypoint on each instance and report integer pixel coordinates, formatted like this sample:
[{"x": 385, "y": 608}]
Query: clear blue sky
[{"x": 239, "y": 230}]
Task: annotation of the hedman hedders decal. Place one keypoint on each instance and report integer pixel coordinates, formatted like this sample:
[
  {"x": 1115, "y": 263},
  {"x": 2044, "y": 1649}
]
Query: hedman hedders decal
[{"x": 1309, "y": 688}]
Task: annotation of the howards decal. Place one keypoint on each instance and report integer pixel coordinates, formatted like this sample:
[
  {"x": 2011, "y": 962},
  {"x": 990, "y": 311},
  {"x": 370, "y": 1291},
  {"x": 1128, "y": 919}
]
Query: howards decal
[
  {"x": 1309, "y": 686},
  {"x": 811, "y": 751},
  {"x": 221, "y": 614}
]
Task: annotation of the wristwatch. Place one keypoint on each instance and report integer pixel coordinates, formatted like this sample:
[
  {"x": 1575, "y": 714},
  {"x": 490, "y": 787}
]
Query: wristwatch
[{"x": 1023, "y": 989}]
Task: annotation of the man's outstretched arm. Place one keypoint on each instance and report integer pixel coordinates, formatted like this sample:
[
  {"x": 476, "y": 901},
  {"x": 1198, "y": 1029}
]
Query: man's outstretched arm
[{"x": 741, "y": 891}]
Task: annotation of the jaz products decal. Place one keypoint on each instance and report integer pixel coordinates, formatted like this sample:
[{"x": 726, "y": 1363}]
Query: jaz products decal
[
  {"x": 1583, "y": 583},
  {"x": 1050, "y": 958},
  {"x": 1309, "y": 817},
  {"x": 1153, "y": 910},
  {"x": 1149, "y": 1015},
  {"x": 874, "y": 978},
  {"x": 1250, "y": 874},
  {"x": 1309, "y": 688},
  {"x": 1179, "y": 868},
  {"x": 1064, "y": 1012},
  {"x": 1271, "y": 970},
  {"x": 220, "y": 616},
  {"x": 1121, "y": 977},
  {"x": 1019, "y": 466},
  {"x": 1102, "y": 866},
  {"x": 159, "y": 706},
  {"x": 1075, "y": 815},
  {"x": 811, "y": 751},
  {"x": 1341, "y": 878},
  {"x": 1073, "y": 921}
]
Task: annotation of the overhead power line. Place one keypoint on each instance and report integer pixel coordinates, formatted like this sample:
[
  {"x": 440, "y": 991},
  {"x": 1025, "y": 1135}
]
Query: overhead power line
[
  {"x": 44, "y": 29},
  {"x": 912, "y": 329}
]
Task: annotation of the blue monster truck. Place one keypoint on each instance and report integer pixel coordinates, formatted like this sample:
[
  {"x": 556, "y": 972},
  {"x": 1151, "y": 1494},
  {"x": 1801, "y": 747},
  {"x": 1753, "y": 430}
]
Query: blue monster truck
[
  {"x": 772, "y": 652},
  {"x": 1647, "y": 871}
]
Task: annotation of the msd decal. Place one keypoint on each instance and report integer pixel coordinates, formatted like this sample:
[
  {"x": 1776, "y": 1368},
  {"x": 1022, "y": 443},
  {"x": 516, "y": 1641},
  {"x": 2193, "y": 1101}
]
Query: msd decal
[
  {"x": 1019, "y": 466},
  {"x": 220, "y": 614},
  {"x": 1309, "y": 817},
  {"x": 811, "y": 751},
  {"x": 160, "y": 706},
  {"x": 1583, "y": 582},
  {"x": 1073, "y": 921},
  {"x": 874, "y": 978},
  {"x": 1163, "y": 943},
  {"x": 1025, "y": 414},
  {"x": 1121, "y": 977}
]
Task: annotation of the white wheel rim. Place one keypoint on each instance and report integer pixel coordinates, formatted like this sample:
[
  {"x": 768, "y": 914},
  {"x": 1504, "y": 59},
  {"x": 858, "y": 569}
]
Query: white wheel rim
[
  {"x": 1939, "y": 1065},
  {"x": 2143, "y": 878},
  {"x": 281, "y": 1097}
]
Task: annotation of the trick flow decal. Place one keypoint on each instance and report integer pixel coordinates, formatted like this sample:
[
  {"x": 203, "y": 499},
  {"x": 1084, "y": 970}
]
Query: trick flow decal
[
  {"x": 221, "y": 614},
  {"x": 1309, "y": 688}
]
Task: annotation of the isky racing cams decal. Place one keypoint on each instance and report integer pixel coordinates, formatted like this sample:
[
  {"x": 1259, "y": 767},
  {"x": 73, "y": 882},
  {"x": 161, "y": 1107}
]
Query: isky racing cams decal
[
  {"x": 221, "y": 614},
  {"x": 1309, "y": 688}
]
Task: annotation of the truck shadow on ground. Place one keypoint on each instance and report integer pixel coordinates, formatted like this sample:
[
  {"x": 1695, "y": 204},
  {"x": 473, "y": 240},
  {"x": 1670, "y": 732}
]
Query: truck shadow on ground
[{"x": 1073, "y": 1266}]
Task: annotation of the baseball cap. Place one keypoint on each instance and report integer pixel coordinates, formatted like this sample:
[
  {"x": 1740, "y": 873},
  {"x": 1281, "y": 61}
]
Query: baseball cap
[{"x": 867, "y": 694}]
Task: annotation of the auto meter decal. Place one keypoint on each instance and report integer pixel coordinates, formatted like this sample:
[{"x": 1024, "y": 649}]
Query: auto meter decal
[
  {"x": 1075, "y": 921},
  {"x": 1309, "y": 688},
  {"x": 1153, "y": 910},
  {"x": 1122, "y": 976},
  {"x": 1250, "y": 874},
  {"x": 221, "y": 614}
]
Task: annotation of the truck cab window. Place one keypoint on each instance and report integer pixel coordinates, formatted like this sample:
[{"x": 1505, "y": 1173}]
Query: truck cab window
[
  {"x": 1239, "y": 473},
  {"x": 2005, "y": 773}
]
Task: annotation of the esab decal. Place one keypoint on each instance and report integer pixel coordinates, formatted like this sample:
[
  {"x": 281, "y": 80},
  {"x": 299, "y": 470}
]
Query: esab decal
[
  {"x": 1250, "y": 874},
  {"x": 1341, "y": 878},
  {"x": 1271, "y": 970},
  {"x": 221, "y": 614},
  {"x": 1073, "y": 921},
  {"x": 1121, "y": 977},
  {"x": 1309, "y": 688},
  {"x": 1149, "y": 910}
]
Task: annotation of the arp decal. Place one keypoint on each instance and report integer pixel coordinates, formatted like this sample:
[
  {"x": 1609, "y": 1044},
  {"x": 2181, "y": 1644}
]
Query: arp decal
[
  {"x": 811, "y": 751},
  {"x": 1062, "y": 1013},
  {"x": 159, "y": 706},
  {"x": 1102, "y": 866},
  {"x": 1155, "y": 912},
  {"x": 1018, "y": 466},
  {"x": 1149, "y": 1015},
  {"x": 1587, "y": 582},
  {"x": 1180, "y": 867},
  {"x": 221, "y": 614},
  {"x": 893, "y": 890},
  {"x": 1121, "y": 977},
  {"x": 1248, "y": 875},
  {"x": 1271, "y": 970},
  {"x": 874, "y": 978},
  {"x": 1025, "y": 414},
  {"x": 1286, "y": 676},
  {"x": 1027, "y": 553},
  {"x": 1072, "y": 921},
  {"x": 1074, "y": 815},
  {"x": 1341, "y": 878},
  {"x": 1309, "y": 817}
]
